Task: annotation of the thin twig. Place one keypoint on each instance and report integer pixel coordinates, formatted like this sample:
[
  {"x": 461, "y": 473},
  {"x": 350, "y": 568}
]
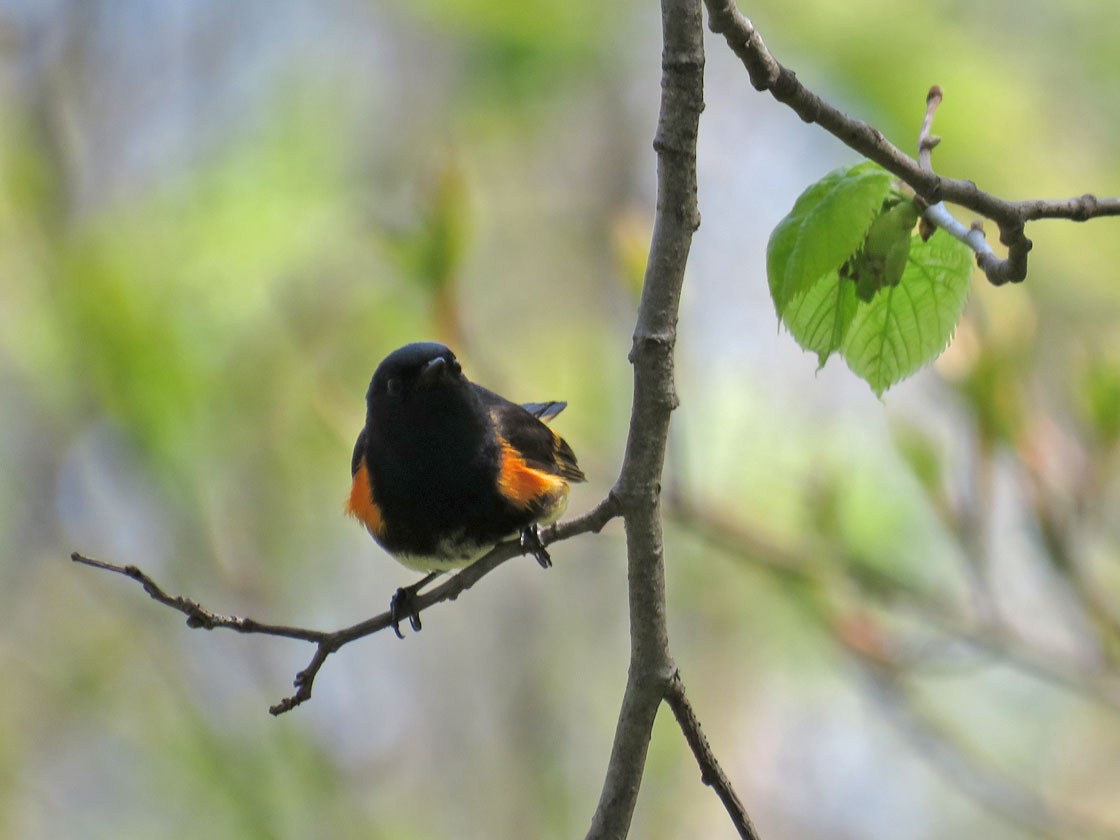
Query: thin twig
[
  {"x": 927, "y": 140},
  {"x": 938, "y": 214},
  {"x": 327, "y": 642},
  {"x": 711, "y": 773},
  {"x": 197, "y": 615},
  {"x": 767, "y": 74}
]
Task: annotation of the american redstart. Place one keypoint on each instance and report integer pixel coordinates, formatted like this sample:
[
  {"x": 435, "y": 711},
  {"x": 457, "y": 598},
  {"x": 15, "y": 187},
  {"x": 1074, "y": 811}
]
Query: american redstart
[{"x": 444, "y": 469}]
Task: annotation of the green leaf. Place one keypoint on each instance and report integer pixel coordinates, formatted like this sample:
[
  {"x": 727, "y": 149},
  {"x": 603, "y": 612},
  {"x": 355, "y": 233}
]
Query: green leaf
[
  {"x": 827, "y": 224},
  {"x": 905, "y": 326},
  {"x": 882, "y": 257},
  {"x": 819, "y": 319}
]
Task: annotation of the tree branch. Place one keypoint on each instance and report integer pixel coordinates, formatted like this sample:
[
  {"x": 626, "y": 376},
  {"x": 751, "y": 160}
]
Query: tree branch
[
  {"x": 711, "y": 773},
  {"x": 327, "y": 642},
  {"x": 639, "y": 482},
  {"x": 767, "y": 74}
]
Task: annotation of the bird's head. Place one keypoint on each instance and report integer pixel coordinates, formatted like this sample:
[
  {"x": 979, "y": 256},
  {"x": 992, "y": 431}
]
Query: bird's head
[{"x": 415, "y": 371}]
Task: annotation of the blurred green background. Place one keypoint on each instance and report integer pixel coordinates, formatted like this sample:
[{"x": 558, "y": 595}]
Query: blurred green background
[{"x": 215, "y": 219}]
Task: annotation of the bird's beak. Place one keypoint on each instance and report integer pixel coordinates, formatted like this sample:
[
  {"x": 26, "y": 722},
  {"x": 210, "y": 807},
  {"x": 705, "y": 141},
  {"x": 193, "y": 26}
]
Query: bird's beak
[{"x": 432, "y": 373}]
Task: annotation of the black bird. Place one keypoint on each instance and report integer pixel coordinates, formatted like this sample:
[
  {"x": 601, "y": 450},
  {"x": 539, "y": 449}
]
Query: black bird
[{"x": 445, "y": 469}]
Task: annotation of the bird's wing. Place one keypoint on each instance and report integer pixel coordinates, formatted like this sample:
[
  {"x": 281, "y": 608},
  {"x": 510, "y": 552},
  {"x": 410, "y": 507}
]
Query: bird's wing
[
  {"x": 522, "y": 428},
  {"x": 545, "y": 411}
]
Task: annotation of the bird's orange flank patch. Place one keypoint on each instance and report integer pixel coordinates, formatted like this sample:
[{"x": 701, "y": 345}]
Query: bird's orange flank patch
[
  {"x": 360, "y": 505},
  {"x": 522, "y": 484}
]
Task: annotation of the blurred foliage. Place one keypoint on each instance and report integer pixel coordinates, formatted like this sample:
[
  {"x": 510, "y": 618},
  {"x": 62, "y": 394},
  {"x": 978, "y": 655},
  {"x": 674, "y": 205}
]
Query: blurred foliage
[
  {"x": 431, "y": 252},
  {"x": 1099, "y": 390},
  {"x": 521, "y": 50},
  {"x": 215, "y": 221}
]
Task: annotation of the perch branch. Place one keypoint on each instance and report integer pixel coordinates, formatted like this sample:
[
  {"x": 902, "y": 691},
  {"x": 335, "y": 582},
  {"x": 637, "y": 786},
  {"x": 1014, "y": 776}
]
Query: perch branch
[{"x": 327, "y": 642}]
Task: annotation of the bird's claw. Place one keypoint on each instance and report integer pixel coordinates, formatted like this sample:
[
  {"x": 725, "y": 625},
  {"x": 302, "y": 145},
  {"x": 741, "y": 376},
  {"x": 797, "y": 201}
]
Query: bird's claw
[
  {"x": 403, "y": 606},
  {"x": 531, "y": 544}
]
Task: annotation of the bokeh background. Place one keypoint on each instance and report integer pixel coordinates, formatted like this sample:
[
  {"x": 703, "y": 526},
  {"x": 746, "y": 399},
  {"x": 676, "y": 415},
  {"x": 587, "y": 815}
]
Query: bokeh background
[{"x": 895, "y": 619}]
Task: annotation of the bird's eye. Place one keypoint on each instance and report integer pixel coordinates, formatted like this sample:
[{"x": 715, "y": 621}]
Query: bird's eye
[
  {"x": 455, "y": 367},
  {"x": 393, "y": 387}
]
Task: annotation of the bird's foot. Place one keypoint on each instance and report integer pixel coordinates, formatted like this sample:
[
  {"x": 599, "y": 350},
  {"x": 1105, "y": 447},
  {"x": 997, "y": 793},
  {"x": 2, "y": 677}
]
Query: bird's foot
[
  {"x": 531, "y": 544},
  {"x": 403, "y": 605}
]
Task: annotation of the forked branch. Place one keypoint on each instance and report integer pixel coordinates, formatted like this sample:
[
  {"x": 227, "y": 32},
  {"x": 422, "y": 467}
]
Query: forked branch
[
  {"x": 767, "y": 74},
  {"x": 328, "y": 641}
]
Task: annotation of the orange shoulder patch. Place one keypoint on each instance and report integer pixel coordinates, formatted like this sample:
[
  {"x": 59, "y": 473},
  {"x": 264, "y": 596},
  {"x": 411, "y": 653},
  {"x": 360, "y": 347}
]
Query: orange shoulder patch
[
  {"x": 522, "y": 484},
  {"x": 360, "y": 505}
]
